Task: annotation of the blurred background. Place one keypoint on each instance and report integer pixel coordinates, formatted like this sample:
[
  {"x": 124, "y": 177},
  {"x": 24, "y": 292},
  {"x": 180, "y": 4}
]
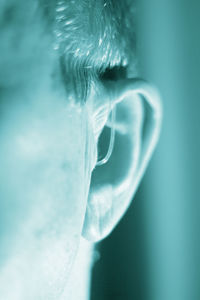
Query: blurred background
[{"x": 154, "y": 253}]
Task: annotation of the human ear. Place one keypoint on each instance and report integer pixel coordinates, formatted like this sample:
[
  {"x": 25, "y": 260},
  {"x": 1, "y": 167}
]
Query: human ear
[{"x": 137, "y": 128}]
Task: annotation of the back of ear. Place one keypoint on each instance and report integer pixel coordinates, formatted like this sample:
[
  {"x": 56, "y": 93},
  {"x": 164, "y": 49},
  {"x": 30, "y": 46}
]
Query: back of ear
[{"x": 137, "y": 127}]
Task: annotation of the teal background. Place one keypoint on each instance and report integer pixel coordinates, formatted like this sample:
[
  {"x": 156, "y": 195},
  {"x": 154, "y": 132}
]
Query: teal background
[{"x": 154, "y": 253}]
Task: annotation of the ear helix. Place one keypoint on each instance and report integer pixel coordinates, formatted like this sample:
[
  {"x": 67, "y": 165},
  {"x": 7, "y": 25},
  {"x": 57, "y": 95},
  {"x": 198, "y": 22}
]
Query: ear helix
[
  {"x": 152, "y": 97},
  {"x": 107, "y": 203}
]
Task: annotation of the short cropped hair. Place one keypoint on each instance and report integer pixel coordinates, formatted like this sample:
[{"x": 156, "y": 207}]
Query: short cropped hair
[{"x": 92, "y": 36}]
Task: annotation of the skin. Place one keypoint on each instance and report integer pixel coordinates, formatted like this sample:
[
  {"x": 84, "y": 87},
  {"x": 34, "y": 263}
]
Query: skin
[
  {"x": 44, "y": 177},
  {"x": 51, "y": 194}
]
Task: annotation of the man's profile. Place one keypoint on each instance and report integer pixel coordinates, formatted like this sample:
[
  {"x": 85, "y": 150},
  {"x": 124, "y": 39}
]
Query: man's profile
[{"x": 73, "y": 142}]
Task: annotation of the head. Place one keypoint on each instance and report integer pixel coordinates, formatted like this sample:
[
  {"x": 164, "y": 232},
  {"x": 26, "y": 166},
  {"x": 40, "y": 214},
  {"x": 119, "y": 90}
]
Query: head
[{"x": 64, "y": 67}]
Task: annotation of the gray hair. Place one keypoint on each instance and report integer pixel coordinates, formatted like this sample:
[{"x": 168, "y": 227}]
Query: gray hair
[{"x": 92, "y": 36}]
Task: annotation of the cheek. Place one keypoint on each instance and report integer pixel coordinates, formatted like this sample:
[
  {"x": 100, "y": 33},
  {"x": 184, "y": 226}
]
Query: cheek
[
  {"x": 42, "y": 199},
  {"x": 42, "y": 182}
]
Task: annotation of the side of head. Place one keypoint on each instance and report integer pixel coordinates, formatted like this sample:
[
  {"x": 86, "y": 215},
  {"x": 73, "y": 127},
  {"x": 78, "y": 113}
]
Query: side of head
[{"x": 63, "y": 68}]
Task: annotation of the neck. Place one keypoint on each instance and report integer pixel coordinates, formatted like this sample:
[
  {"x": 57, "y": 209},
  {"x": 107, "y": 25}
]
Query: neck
[{"x": 78, "y": 287}]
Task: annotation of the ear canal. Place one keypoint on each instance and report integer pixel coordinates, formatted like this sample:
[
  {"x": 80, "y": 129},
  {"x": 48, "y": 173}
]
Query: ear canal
[{"x": 109, "y": 196}]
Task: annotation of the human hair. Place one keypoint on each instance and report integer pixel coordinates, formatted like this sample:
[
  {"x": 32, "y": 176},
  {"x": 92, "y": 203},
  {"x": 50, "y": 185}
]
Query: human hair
[{"x": 93, "y": 37}]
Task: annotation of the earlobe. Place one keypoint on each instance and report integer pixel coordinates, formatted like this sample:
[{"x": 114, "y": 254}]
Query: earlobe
[{"x": 114, "y": 184}]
